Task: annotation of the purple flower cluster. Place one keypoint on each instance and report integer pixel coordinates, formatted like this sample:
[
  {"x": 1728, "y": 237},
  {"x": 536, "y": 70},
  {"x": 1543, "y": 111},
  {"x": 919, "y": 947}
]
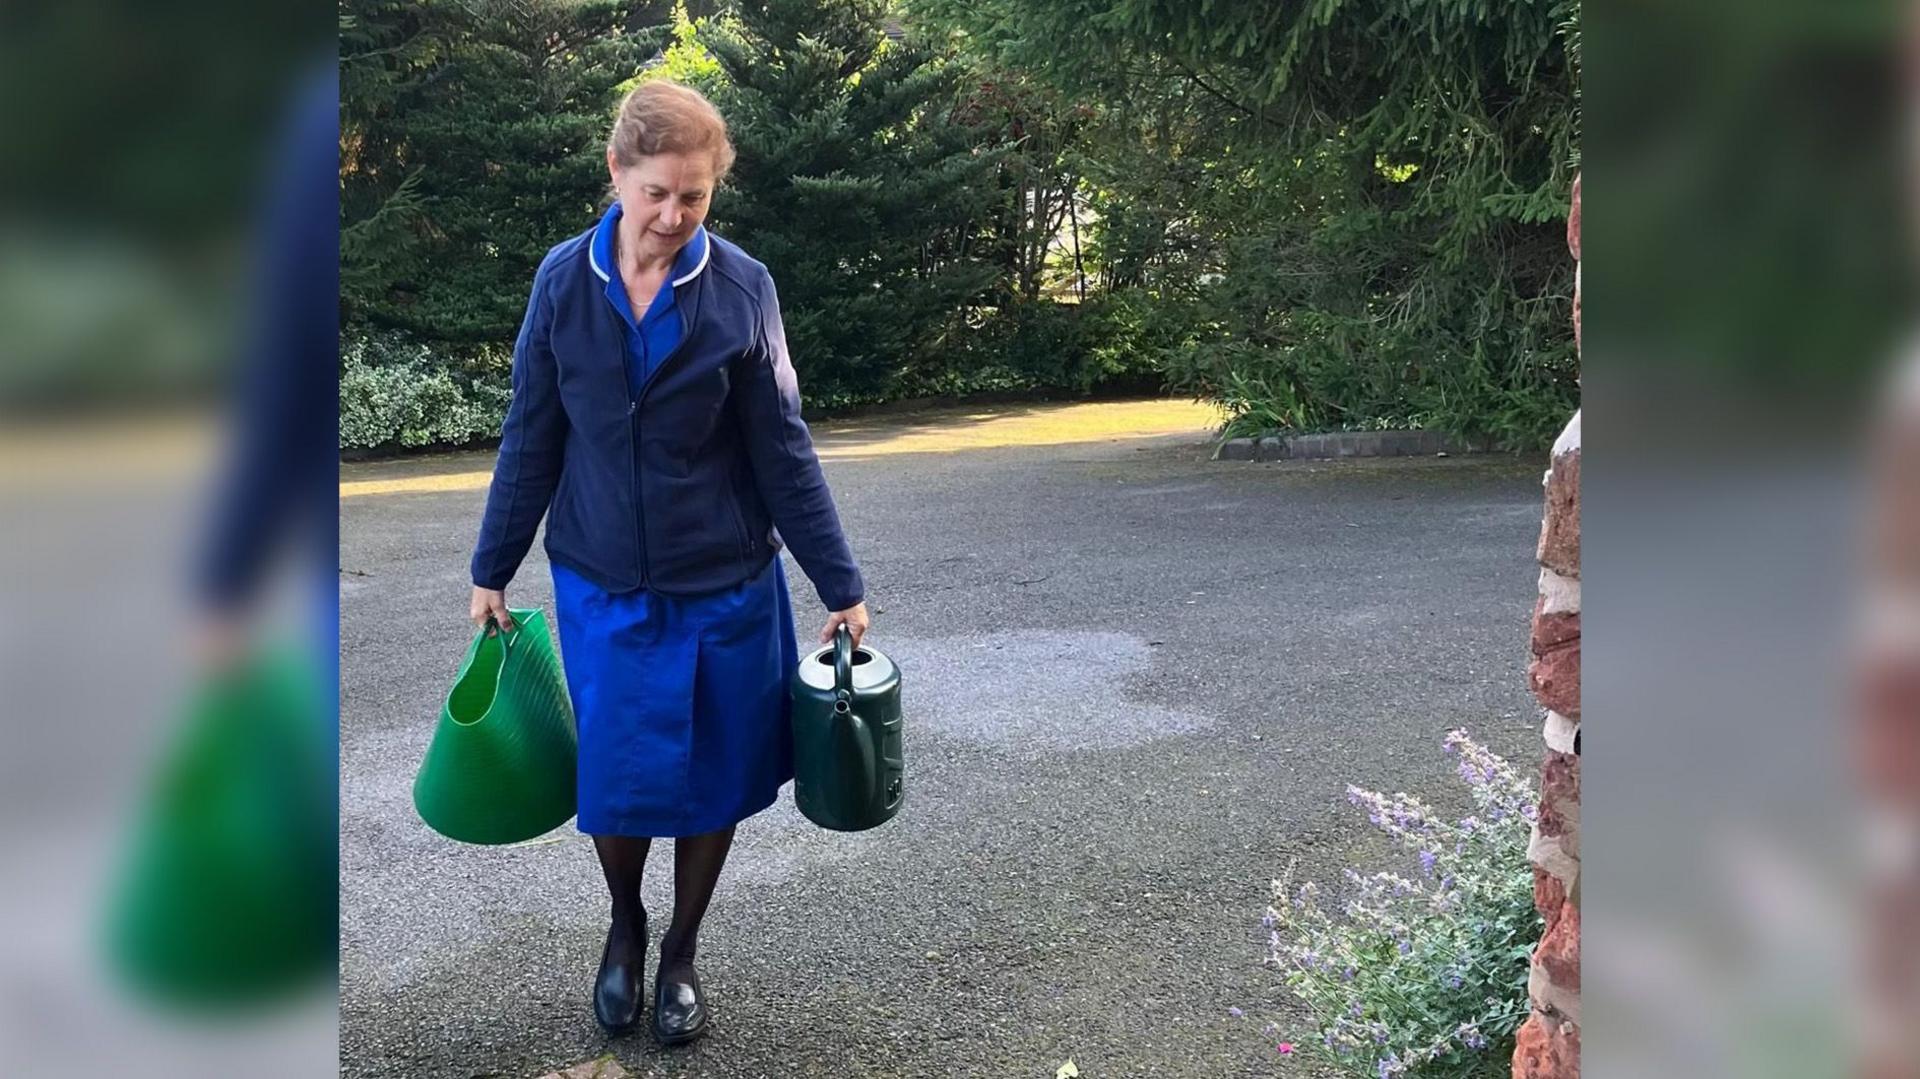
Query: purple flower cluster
[
  {"x": 1416, "y": 938},
  {"x": 1496, "y": 786},
  {"x": 1401, "y": 816}
]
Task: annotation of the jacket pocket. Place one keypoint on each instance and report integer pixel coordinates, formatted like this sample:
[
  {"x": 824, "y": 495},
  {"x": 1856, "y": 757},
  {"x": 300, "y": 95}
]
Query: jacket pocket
[{"x": 745, "y": 538}]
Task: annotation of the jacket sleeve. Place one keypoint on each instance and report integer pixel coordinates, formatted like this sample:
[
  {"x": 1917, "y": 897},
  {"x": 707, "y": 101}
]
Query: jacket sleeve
[
  {"x": 532, "y": 443},
  {"x": 279, "y": 473},
  {"x": 785, "y": 468}
]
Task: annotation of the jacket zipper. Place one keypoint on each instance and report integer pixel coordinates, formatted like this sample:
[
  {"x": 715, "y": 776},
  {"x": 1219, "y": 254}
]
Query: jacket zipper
[
  {"x": 633, "y": 417},
  {"x": 633, "y": 478},
  {"x": 633, "y": 445},
  {"x": 633, "y": 421}
]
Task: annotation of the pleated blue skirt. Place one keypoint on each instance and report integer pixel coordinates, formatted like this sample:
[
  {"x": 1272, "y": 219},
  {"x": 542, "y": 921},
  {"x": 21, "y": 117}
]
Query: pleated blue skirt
[{"x": 681, "y": 702}]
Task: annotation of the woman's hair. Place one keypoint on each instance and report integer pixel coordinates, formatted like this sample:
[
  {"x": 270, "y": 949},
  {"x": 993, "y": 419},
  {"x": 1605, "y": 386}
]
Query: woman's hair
[{"x": 664, "y": 117}]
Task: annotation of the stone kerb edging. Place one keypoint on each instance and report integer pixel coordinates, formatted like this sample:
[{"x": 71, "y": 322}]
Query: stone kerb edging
[{"x": 1337, "y": 444}]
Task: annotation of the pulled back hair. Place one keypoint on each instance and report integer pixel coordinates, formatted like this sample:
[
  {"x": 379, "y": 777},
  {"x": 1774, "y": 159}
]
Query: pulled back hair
[{"x": 663, "y": 117}]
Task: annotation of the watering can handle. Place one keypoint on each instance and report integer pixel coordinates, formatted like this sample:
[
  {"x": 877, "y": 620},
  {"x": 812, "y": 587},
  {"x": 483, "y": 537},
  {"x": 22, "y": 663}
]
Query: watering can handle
[{"x": 843, "y": 663}]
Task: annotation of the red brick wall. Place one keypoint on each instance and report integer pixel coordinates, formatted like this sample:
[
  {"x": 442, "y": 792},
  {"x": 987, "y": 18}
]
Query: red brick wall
[{"x": 1549, "y": 1042}]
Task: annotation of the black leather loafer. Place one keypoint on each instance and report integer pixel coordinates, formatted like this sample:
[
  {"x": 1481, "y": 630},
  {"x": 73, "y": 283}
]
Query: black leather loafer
[
  {"x": 679, "y": 1010},
  {"x": 616, "y": 989}
]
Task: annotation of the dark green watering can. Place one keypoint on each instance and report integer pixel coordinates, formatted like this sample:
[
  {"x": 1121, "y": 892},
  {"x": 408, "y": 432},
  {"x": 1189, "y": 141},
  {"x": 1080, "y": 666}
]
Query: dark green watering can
[{"x": 848, "y": 773}]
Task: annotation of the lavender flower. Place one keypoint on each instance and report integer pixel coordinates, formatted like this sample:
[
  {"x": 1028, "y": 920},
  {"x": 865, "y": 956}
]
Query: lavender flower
[{"x": 1484, "y": 885}]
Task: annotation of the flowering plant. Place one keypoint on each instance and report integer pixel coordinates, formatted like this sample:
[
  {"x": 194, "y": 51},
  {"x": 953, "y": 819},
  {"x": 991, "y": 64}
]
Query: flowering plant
[{"x": 1422, "y": 975}]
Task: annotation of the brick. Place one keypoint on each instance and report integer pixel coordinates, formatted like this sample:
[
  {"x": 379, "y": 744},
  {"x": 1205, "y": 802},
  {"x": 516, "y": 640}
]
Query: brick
[
  {"x": 1573, "y": 221},
  {"x": 1560, "y": 801},
  {"x": 1558, "y": 953},
  {"x": 1546, "y": 1047},
  {"x": 1271, "y": 448},
  {"x": 1573, "y": 246},
  {"x": 1559, "y": 548},
  {"x": 1555, "y": 679},
  {"x": 1551, "y": 631},
  {"x": 1549, "y": 891},
  {"x": 1886, "y": 738}
]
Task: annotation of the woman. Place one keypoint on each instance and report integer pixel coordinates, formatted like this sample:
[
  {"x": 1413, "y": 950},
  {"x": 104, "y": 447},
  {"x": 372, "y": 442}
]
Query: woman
[{"x": 656, "y": 425}]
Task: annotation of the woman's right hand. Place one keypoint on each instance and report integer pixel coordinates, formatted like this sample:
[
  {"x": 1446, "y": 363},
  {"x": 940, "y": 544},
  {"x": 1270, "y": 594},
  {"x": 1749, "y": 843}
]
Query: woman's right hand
[{"x": 490, "y": 604}]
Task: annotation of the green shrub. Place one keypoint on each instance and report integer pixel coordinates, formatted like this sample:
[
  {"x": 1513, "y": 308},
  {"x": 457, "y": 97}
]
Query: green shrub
[
  {"x": 1039, "y": 346},
  {"x": 396, "y": 393},
  {"x": 1421, "y": 976}
]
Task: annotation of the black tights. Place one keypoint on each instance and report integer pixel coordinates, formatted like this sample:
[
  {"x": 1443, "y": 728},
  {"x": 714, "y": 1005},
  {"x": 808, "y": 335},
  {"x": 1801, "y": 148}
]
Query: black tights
[{"x": 697, "y": 861}]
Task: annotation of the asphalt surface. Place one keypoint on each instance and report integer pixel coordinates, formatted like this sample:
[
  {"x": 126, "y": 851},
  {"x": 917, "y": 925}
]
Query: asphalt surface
[{"x": 1137, "y": 684}]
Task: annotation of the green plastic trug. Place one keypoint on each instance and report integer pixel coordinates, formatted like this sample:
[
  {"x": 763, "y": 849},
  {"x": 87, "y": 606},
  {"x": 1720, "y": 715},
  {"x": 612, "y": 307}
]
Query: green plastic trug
[
  {"x": 229, "y": 891},
  {"x": 501, "y": 765}
]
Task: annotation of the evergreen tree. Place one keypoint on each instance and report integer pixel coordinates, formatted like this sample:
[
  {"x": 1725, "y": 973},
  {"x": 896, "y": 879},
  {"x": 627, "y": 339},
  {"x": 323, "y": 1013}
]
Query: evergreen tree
[
  {"x": 473, "y": 136},
  {"x": 852, "y": 186},
  {"x": 1355, "y": 207}
]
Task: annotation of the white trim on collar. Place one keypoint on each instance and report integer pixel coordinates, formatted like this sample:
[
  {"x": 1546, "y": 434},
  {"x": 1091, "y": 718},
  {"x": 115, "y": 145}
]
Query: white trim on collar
[{"x": 706, "y": 252}]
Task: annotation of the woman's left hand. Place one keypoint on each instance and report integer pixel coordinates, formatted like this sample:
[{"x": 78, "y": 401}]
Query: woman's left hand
[{"x": 855, "y": 618}]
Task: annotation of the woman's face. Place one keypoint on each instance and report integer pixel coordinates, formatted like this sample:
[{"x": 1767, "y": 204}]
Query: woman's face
[{"x": 663, "y": 199}]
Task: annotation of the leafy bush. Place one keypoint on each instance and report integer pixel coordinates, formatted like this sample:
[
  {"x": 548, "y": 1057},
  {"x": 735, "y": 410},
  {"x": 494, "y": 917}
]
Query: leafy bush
[
  {"x": 397, "y": 393},
  {"x": 1425, "y": 975},
  {"x": 1036, "y": 345},
  {"x": 1315, "y": 371}
]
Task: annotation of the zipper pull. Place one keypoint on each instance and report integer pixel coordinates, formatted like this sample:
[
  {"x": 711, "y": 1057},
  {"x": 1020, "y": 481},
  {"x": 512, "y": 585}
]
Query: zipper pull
[{"x": 632, "y": 407}]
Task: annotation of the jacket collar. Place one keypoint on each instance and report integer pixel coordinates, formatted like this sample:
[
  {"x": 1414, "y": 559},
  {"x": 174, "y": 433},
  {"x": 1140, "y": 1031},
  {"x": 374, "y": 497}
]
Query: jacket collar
[{"x": 687, "y": 264}]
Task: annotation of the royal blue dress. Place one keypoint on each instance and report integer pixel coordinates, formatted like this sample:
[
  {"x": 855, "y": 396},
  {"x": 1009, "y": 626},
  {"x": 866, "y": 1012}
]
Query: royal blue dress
[{"x": 681, "y": 701}]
